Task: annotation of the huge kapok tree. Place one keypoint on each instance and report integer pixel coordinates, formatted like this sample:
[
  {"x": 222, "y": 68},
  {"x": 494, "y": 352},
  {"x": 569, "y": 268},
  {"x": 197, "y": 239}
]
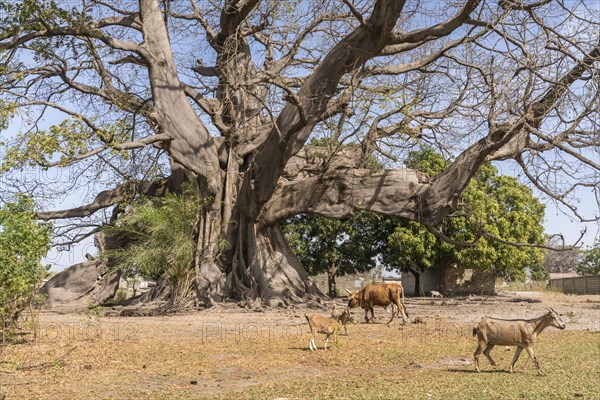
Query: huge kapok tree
[{"x": 141, "y": 97}]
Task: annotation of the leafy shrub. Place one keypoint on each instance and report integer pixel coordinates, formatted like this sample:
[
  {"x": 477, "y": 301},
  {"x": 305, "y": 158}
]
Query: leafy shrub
[{"x": 23, "y": 242}]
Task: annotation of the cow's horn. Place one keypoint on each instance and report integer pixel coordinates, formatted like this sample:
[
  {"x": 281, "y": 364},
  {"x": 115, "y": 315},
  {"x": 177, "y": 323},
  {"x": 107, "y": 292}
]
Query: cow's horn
[{"x": 349, "y": 292}]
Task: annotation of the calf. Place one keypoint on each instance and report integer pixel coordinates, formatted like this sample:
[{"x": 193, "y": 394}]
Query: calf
[
  {"x": 343, "y": 318},
  {"x": 327, "y": 325},
  {"x": 513, "y": 332}
]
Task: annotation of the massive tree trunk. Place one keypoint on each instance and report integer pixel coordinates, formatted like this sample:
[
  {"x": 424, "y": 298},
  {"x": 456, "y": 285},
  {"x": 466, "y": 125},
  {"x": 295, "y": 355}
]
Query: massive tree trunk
[
  {"x": 258, "y": 170},
  {"x": 263, "y": 266}
]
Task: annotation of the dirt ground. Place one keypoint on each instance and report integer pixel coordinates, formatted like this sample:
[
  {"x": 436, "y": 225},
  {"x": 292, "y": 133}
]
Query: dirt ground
[{"x": 230, "y": 352}]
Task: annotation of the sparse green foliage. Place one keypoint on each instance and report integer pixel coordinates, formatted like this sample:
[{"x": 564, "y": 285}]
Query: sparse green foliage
[
  {"x": 161, "y": 238},
  {"x": 93, "y": 313},
  {"x": 37, "y": 15},
  {"x": 120, "y": 295},
  {"x": 590, "y": 265},
  {"x": 23, "y": 242},
  {"x": 59, "y": 145},
  {"x": 7, "y": 111}
]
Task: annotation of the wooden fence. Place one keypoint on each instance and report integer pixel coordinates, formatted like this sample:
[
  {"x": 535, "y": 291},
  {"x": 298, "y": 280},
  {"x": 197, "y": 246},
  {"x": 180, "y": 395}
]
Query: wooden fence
[{"x": 577, "y": 285}]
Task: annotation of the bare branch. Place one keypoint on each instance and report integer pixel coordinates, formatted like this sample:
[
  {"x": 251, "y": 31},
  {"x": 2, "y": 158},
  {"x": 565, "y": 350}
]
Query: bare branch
[
  {"x": 108, "y": 198},
  {"x": 533, "y": 245},
  {"x": 521, "y": 5},
  {"x": 439, "y": 30},
  {"x": 355, "y": 12}
]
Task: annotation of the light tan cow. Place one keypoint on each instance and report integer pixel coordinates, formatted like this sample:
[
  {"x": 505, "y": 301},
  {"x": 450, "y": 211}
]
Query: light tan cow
[{"x": 522, "y": 333}]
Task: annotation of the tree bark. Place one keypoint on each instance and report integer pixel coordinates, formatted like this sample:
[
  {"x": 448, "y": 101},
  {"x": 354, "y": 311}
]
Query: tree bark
[
  {"x": 264, "y": 266},
  {"x": 418, "y": 292},
  {"x": 331, "y": 285}
]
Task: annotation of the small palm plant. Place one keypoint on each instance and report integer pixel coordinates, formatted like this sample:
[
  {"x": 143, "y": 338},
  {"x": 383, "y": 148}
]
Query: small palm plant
[{"x": 161, "y": 238}]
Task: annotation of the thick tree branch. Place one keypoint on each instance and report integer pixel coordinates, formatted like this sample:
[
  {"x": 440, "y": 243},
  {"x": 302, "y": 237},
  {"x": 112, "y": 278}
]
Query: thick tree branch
[
  {"x": 92, "y": 31},
  {"x": 292, "y": 130},
  {"x": 137, "y": 144},
  {"x": 190, "y": 144},
  {"x": 339, "y": 193},
  {"x": 542, "y": 107},
  {"x": 108, "y": 198},
  {"x": 521, "y": 5},
  {"x": 403, "y": 41}
]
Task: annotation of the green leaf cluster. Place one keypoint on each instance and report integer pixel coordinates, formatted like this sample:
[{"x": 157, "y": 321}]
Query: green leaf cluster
[
  {"x": 590, "y": 265},
  {"x": 23, "y": 242},
  {"x": 160, "y": 236},
  {"x": 7, "y": 112},
  {"x": 351, "y": 245},
  {"x": 38, "y": 15},
  {"x": 60, "y": 143}
]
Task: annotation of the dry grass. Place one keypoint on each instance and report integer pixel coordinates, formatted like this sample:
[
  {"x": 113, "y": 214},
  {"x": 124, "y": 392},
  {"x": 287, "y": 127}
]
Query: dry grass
[{"x": 229, "y": 353}]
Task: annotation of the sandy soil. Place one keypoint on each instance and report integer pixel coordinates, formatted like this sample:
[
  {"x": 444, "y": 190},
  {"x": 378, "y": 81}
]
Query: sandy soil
[{"x": 84, "y": 356}]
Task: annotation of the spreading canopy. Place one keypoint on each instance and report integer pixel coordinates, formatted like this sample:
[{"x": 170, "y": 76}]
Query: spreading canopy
[{"x": 148, "y": 95}]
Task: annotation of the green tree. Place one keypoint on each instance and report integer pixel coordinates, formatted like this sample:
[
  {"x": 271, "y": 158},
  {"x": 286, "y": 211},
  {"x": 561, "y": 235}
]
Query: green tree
[
  {"x": 411, "y": 248},
  {"x": 23, "y": 243},
  {"x": 493, "y": 211},
  {"x": 337, "y": 247},
  {"x": 590, "y": 265},
  {"x": 499, "y": 211},
  {"x": 315, "y": 240}
]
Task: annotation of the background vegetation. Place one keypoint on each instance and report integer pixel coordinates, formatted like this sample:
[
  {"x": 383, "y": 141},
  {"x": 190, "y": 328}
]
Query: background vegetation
[
  {"x": 492, "y": 206},
  {"x": 23, "y": 243}
]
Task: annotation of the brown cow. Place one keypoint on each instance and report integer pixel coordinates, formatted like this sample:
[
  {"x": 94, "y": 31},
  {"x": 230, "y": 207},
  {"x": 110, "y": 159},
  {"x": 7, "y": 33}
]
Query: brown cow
[{"x": 379, "y": 294}]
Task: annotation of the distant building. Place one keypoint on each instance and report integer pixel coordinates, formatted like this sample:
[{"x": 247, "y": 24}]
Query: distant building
[
  {"x": 562, "y": 275},
  {"x": 135, "y": 286},
  {"x": 450, "y": 281}
]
